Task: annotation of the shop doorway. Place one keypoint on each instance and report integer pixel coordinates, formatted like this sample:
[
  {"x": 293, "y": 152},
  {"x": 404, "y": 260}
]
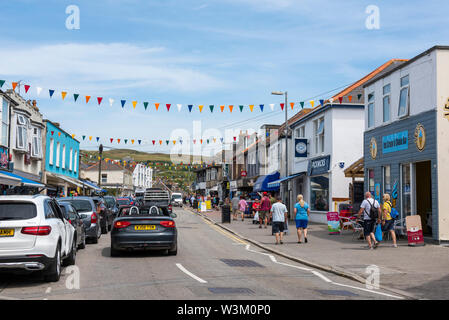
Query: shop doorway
[{"x": 424, "y": 195}]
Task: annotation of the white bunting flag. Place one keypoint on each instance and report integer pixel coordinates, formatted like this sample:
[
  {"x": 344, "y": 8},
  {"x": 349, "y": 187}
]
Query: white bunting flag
[
  {"x": 331, "y": 100},
  {"x": 111, "y": 101},
  {"x": 179, "y": 107},
  {"x": 272, "y": 106},
  {"x": 39, "y": 89}
]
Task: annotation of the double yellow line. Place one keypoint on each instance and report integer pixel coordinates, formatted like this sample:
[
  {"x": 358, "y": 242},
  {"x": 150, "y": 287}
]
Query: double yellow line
[{"x": 225, "y": 233}]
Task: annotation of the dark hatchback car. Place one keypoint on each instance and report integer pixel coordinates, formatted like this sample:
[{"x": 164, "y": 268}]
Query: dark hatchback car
[
  {"x": 144, "y": 229},
  {"x": 75, "y": 220}
]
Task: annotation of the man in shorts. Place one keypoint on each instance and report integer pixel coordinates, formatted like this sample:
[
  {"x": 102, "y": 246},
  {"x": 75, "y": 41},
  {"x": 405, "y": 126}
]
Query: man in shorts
[
  {"x": 368, "y": 223},
  {"x": 279, "y": 214}
]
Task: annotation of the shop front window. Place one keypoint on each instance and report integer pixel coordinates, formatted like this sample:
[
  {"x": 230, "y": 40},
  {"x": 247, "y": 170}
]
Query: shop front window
[
  {"x": 387, "y": 179},
  {"x": 319, "y": 193},
  {"x": 371, "y": 181},
  {"x": 406, "y": 190}
]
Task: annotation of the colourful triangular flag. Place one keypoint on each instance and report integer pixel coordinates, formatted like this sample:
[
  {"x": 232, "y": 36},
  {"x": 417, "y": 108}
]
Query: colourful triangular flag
[
  {"x": 179, "y": 107},
  {"x": 222, "y": 108},
  {"x": 261, "y": 108},
  {"x": 14, "y": 85},
  {"x": 272, "y": 106},
  {"x": 251, "y": 107},
  {"x": 51, "y": 92},
  {"x": 157, "y": 106},
  {"x": 145, "y": 105},
  {"x": 230, "y": 108},
  {"x": 302, "y": 104},
  {"x": 63, "y": 94},
  {"x": 211, "y": 107},
  {"x": 99, "y": 99},
  {"x": 75, "y": 96},
  {"x": 168, "y": 106},
  {"x": 27, "y": 87},
  {"x": 201, "y": 107},
  {"x": 282, "y": 106},
  {"x": 134, "y": 104},
  {"x": 190, "y": 107},
  {"x": 111, "y": 101},
  {"x": 87, "y": 99},
  {"x": 2, "y": 82},
  {"x": 312, "y": 103},
  {"x": 38, "y": 90},
  {"x": 123, "y": 103}
]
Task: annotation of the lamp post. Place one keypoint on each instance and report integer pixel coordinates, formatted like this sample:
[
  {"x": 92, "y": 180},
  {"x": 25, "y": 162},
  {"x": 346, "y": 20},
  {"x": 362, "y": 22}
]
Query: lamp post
[
  {"x": 100, "y": 153},
  {"x": 278, "y": 93}
]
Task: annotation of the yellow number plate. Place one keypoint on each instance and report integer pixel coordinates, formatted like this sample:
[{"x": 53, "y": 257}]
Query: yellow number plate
[
  {"x": 145, "y": 227},
  {"x": 6, "y": 232}
]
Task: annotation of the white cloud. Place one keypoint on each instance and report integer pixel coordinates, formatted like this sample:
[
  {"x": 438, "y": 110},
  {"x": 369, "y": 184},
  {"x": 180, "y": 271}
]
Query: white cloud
[{"x": 105, "y": 66}]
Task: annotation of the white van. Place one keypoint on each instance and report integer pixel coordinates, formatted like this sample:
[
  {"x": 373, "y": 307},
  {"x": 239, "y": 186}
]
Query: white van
[{"x": 176, "y": 199}]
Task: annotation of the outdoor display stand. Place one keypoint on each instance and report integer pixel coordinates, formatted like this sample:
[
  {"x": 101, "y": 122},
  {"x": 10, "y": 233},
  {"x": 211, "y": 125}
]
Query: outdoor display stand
[
  {"x": 333, "y": 223},
  {"x": 414, "y": 230}
]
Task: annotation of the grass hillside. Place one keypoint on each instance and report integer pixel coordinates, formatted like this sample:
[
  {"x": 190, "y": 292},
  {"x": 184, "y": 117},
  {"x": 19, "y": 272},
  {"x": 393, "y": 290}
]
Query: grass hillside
[{"x": 119, "y": 154}]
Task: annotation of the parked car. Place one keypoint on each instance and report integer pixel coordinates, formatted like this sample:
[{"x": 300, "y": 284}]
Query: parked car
[
  {"x": 75, "y": 220},
  {"x": 86, "y": 208},
  {"x": 123, "y": 202},
  {"x": 112, "y": 204},
  {"x": 146, "y": 228},
  {"x": 35, "y": 236},
  {"x": 107, "y": 217}
]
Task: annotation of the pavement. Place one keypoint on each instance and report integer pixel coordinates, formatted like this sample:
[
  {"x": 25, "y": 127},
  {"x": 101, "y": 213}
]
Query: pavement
[
  {"x": 211, "y": 264},
  {"x": 417, "y": 272}
]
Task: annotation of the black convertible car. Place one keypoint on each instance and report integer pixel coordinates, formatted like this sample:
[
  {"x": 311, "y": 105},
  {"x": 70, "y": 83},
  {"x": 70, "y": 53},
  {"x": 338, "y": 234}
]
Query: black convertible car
[{"x": 144, "y": 228}]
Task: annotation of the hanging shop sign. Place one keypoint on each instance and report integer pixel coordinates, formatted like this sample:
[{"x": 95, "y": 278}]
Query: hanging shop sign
[
  {"x": 373, "y": 148},
  {"x": 420, "y": 137},
  {"x": 319, "y": 166},
  {"x": 300, "y": 148},
  {"x": 446, "y": 110},
  {"x": 395, "y": 142}
]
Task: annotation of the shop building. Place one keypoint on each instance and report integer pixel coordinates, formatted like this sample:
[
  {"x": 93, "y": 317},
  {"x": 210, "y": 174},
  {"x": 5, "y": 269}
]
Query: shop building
[
  {"x": 114, "y": 178},
  {"x": 406, "y": 149},
  {"x": 142, "y": 176},
  {"x": 325, "y": 141},
  {"x": 61, "y": 165}
]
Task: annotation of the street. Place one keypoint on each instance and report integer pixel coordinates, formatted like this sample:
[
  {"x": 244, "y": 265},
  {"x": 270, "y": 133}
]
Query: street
[{"x": 211, "y": 264}]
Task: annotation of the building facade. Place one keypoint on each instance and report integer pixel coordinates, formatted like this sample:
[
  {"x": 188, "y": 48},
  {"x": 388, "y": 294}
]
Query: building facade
[
  {"x": 406, "y": 149},
  {"x": 142, "y": 176},
  {"x": 61, "y": 165},
  {"x": 115, "y": 178}
]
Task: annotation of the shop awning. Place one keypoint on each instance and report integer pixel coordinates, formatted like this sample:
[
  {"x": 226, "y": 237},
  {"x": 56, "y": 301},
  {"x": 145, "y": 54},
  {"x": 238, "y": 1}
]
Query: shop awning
[
  {"x": 91, "y": 185},
  {"x": 262, "y": 183},
  {"x": 277, "y": 183},
  {"x": 23, "y": 181},
  {"x": 72, "y": 181},
  {"x": 8, "y": 180}
]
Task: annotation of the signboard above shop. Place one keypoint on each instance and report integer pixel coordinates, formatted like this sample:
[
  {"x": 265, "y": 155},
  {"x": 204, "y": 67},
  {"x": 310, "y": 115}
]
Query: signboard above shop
[
  {"x": 300, "y": 148},
  {"x": 395, "y": 142},
  {"x": 319, "y": 166}
]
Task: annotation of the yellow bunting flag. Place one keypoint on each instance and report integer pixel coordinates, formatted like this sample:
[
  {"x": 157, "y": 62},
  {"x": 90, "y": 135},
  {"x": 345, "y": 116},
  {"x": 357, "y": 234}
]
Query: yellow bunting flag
[
  {"x": 201, "y": 107},
  {"x": 134, "y": 104},
  {"x": 157, "y": 106},
  {"x": 230, "y": 108},
  {"x": 312, "y": 103},
  {"x": 174, "y": 141},
  {"x": 63, "y": 93},
  {"x": 73, "y": 136},
  {"x": 59, "y": 134},
  {"x": 251, "y": 107},
  {"x": 90, "y": 138}
]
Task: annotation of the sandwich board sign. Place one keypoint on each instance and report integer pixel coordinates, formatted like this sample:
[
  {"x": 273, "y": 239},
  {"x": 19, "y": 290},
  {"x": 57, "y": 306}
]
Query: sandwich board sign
[{"x": 414, "y": 230}]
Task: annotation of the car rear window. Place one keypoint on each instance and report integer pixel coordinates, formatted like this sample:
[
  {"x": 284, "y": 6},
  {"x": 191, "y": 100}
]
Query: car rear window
[
  {"x": 17, "y": 210},
  {"x": 81, "y": 205},
  {"x": 152, "y": 212},
  {"x": 123, "y": 201},
  {"x": 176, "y": 196}
]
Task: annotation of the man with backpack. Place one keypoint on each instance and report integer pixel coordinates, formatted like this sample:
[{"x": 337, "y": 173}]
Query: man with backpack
[
  {"x": 389, "y": 214},
  {"x": 371, "y": 214}
]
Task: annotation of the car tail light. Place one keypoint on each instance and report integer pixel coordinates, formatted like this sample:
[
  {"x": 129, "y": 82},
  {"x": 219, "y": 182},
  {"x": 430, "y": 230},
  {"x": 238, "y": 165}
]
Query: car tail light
[
  {"x": 121, "y": 224},
  {"x": 93, "y": 218},
  {"x": 37, "y": 231},
  {"x": 168, "y": 224},
  {"x": 170, "y": 207}
]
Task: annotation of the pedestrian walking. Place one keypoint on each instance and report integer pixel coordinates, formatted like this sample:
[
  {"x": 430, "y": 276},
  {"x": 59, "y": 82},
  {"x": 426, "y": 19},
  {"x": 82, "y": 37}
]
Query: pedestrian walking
[
  {"x": 265, "y": 207},
  {"x": 371, "y": 214},
  {"x": 256, "y": 210},
  {"x": 242, "y": 207},
  {"x": 302, "y": 213},
  {"x": 279, "y": 212},
  {"x": 387, "y": 220},
  {"x": 235, "y": 206}
]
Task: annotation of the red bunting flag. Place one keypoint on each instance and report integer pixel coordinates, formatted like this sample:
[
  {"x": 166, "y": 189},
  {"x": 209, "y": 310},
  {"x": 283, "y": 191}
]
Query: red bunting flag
[
  {"x": 99, "y": 99},
  {"x": 168, "y": 106},
  {"x": 111, "y": 139},
  {"x": 282, "y": 106},
  {"x": 340, "y": 99},
  {"x": 27, "y": 87},
  {"x": 154, "y": 141},
  {"x": 194, "y": 141}
]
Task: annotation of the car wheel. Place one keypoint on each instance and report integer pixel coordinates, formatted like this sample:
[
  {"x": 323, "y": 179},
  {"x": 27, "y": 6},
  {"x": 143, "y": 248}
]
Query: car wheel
[
  {"x": 83, "y": 244},
  {"x": 114, "y": 252},
  {"x": 174, "y": 250},
  {"x": 54, "y": 271},
  {"x": 70, "y": 260}
]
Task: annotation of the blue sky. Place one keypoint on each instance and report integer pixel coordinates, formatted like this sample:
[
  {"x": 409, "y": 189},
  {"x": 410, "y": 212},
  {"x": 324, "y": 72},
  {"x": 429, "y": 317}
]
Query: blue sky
[{"x": 200, "y": 52}]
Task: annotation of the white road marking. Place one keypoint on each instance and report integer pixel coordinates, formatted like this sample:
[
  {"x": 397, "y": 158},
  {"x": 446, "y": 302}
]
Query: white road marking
[
  {"x": 322, "y": 277},
  {"x": 48, "y": 290},
  {"x": 190, "y": 274}
]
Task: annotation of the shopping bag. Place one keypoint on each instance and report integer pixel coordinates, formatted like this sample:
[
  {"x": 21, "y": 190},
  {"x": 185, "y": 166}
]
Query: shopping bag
[
  {"x": 256, "y": 216},
  {"x": 378, "y": 233}
]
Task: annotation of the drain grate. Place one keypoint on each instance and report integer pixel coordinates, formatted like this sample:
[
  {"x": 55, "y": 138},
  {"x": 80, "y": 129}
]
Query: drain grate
[
  {"x": 338, "y": 293},
  {"x": 241, "y": 263},
  {"x": 224, "y": 290}
]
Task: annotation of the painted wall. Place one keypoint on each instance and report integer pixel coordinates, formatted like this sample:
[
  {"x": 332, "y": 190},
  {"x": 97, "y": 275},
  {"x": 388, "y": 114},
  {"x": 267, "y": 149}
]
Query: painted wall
[
  {"x": 422, "y": 77},
  {"x": 70, "y": 143},
  {"x": 442, "y": 124}
]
